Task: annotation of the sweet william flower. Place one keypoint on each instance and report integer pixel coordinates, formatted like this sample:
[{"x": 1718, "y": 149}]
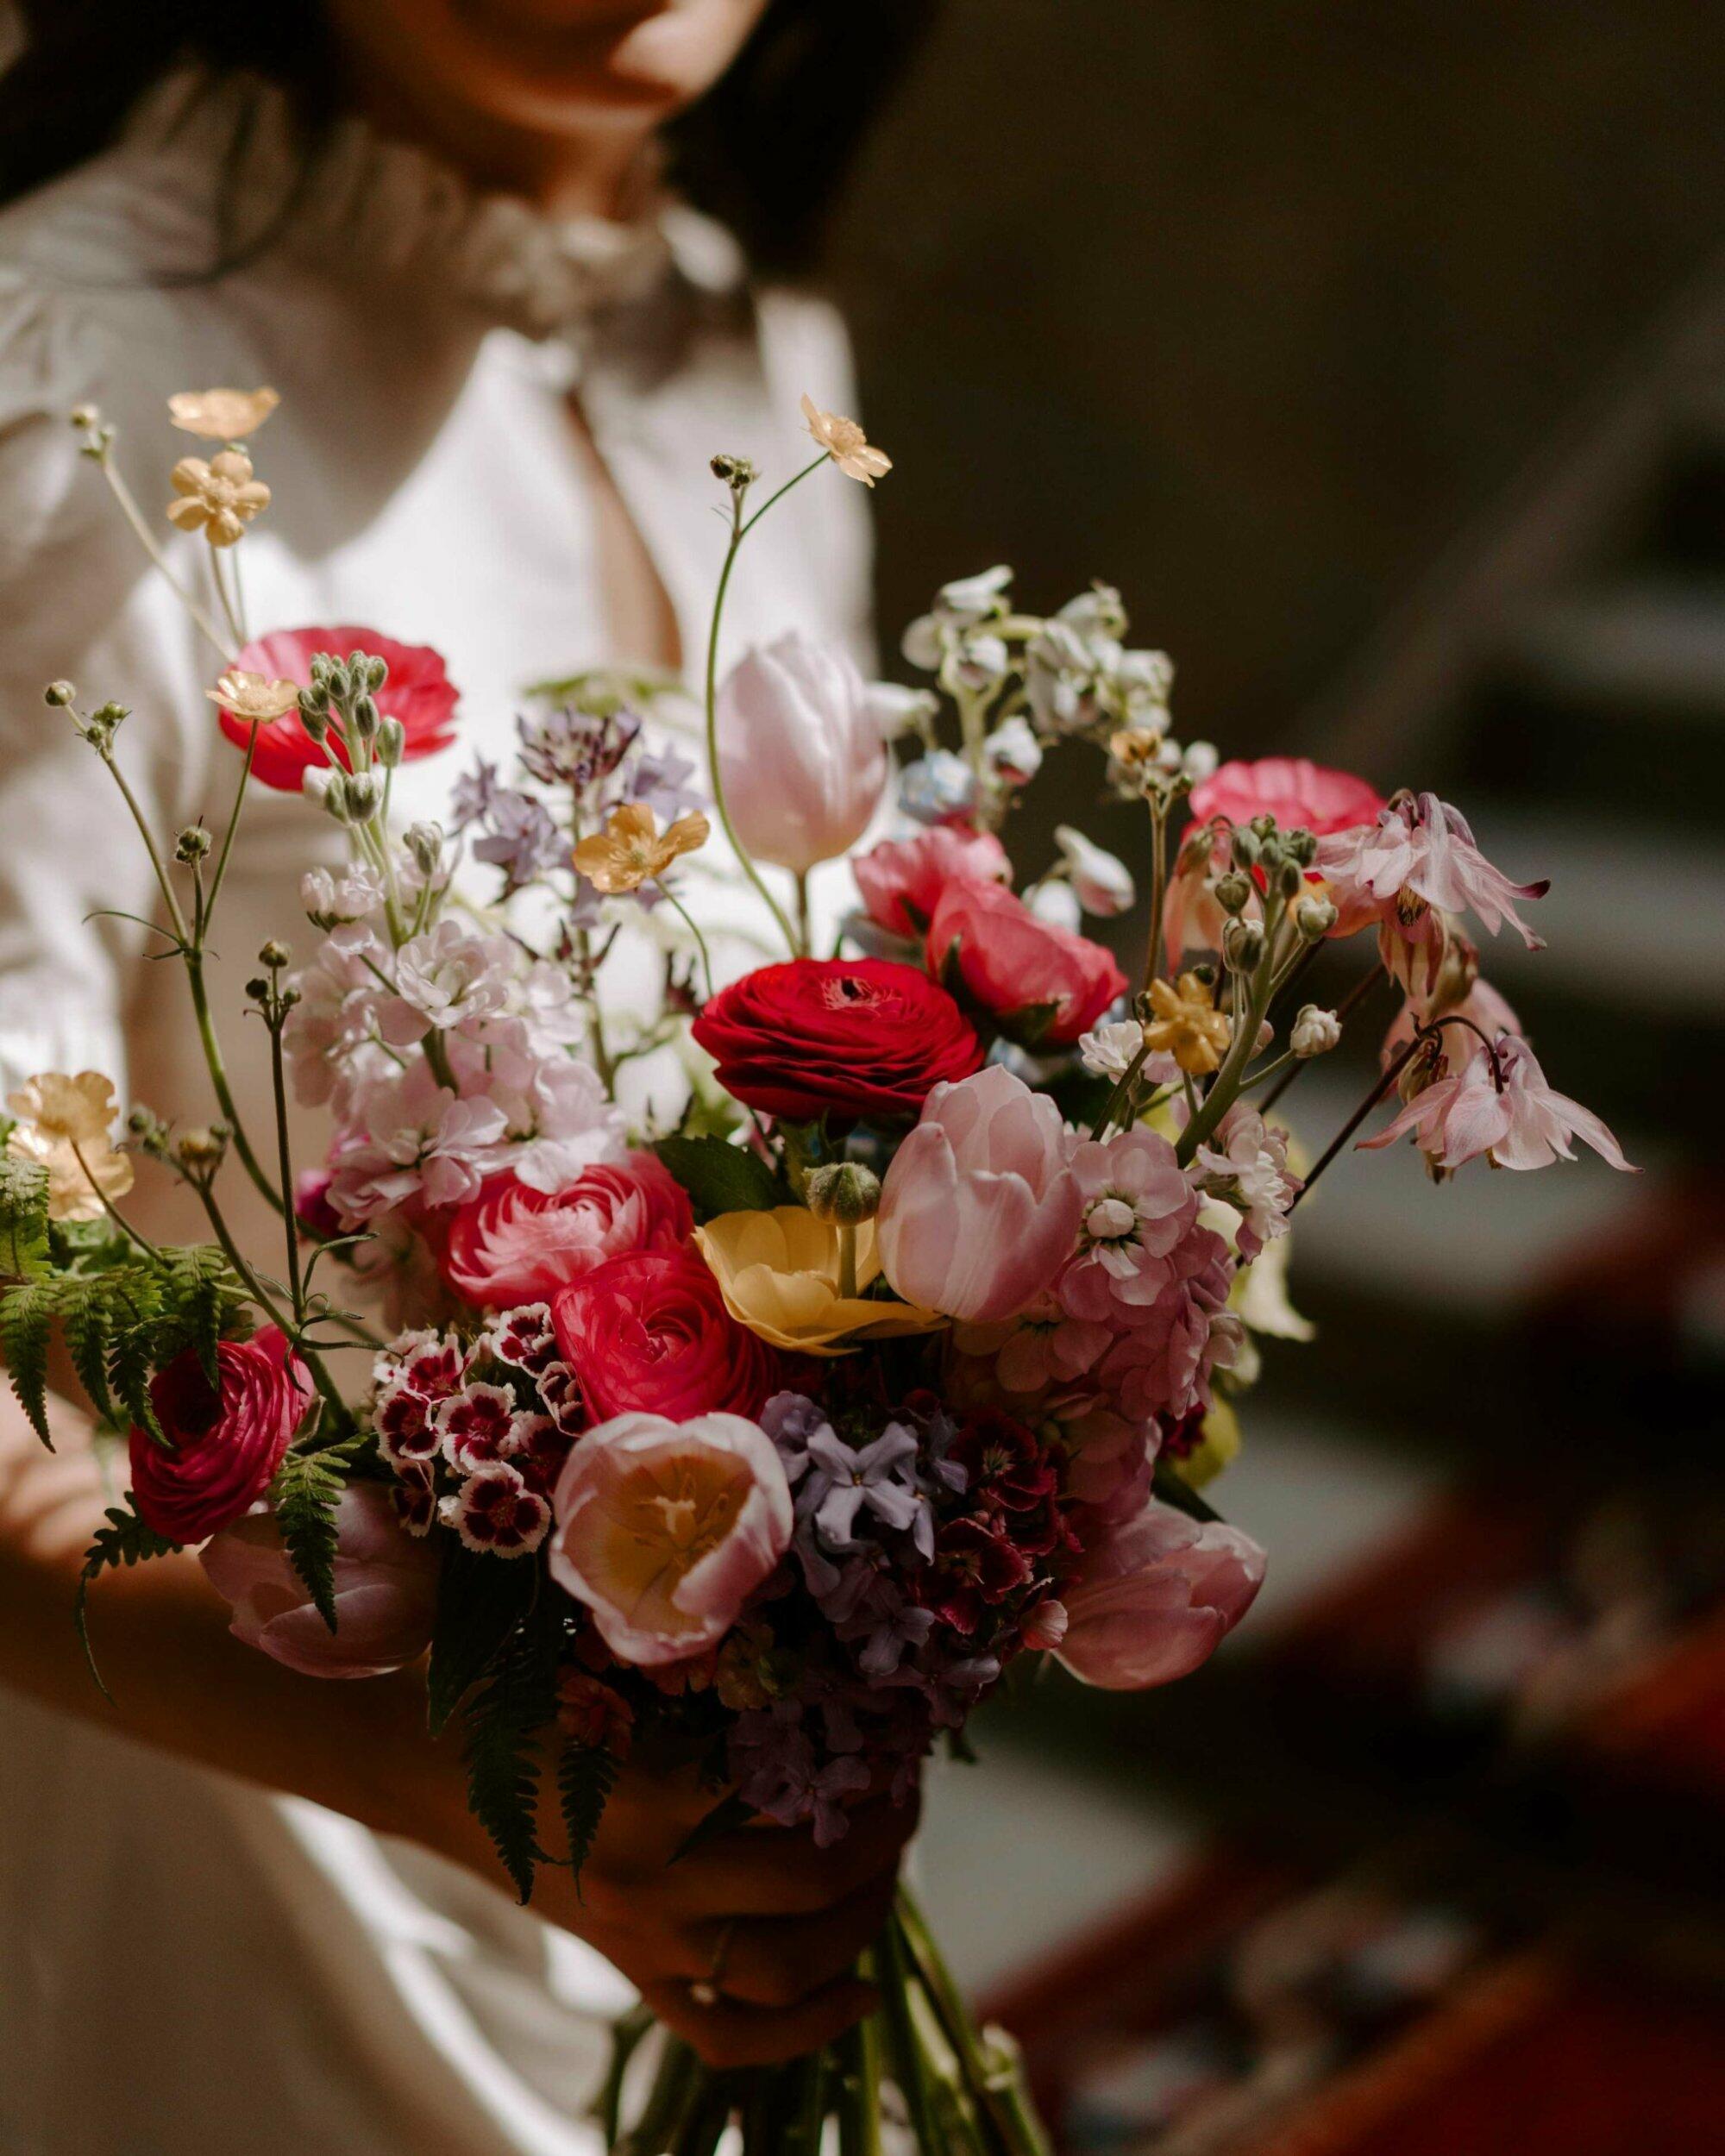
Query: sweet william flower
[
  {"x": 632, "y": 850},
  {"x": 800, "y": 752},
  {"x": 1032, "y": 976},
  {"x": 979, "y": 1208},
  {"x": 385, "y": 1590},
  {"x": 780, "y": 1274},
  {"x": 846, "y": 443},
  {"x": 1521, "y": 1122},
  {"x": 1154, "y": 1598},
  {"x": 63, "y": 1125},
  {"x": 417, "y": 694},
  {"x": 902, "y": 880},
  {"x": 666, "y": 1528},
  {"x": 219, "y": 498},
  {"x": 222, "y": 415},
  {"x": 224, "y": 1443}
]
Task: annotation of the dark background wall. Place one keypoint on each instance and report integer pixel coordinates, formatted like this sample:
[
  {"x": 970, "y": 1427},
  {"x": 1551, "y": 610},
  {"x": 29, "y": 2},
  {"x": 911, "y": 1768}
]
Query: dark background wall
[{"x": 1249, "y": 308}]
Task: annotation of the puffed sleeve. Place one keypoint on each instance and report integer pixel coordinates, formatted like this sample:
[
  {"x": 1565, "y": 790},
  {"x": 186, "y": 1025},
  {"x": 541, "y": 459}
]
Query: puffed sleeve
[{"x": 79, "y": 601}]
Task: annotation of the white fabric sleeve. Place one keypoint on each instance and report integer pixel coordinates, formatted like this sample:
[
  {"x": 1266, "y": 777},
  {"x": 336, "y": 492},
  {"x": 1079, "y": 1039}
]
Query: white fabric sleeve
[{"x": 79, "y": 601}]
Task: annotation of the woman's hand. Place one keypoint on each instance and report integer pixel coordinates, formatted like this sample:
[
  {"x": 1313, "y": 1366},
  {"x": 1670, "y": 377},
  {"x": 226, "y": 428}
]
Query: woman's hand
[{"x": 772, "y": 1924}]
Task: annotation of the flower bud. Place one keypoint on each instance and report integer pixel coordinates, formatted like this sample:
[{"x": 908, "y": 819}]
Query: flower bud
[
  {"x": 1291, "y": 880},
  {"x": 201, "y": 1149},
  {"x": 376, "y": 672},
  {"x": 257, "y": 989},
  {"x": 1242, "y": 946},
  {"x": 424, "y": 843},
  {"x": 193, "y": 844},
  {"x": 59, "y": 694},
  {"x": 1244, "y": 848},
  {"x": 275, "y": 953},
  {"x": 324, "y": 786},
  {"x": 1314, "y": 917},
  {"x": 1195, "y": 853},
  {"x": 843, "y": 1193},
  {"x": 392, "y": 743},
  {"x": 1264, "y": 827},
  {"x": 86, "y": 416},
  {"x": 337, "y": 679},
  {"x": 738, "y": 471},
  {"x": 1233, "y": 892},
  {"x": 1301, "y": 846},
  {"x": 1314, "y": 1031},
  {"x": 361, "y": 797},
  {"x": 365, "y": 717}
]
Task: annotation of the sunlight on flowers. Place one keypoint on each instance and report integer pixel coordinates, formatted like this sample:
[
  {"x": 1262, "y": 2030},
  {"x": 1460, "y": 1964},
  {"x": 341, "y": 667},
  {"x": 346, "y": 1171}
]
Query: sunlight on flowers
[
  {"x": 219, "y": 499},
  {"x": 63, "y": 1125},
  {"x": 846, "y": 443},
  {"x": 778, "y": 1273},
  {"x": 255, "y": 696},
  {"x": 222, "y": 415},
  {"x": 631, "y": 851}
]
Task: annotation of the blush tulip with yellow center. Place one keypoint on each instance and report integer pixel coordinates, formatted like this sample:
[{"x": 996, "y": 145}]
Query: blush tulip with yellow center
[{"x": 778, "y": 1272}]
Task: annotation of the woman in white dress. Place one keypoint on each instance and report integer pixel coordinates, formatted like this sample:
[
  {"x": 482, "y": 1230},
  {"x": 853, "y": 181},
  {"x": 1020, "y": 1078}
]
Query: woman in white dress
[{"x": 238, "y": 1911}]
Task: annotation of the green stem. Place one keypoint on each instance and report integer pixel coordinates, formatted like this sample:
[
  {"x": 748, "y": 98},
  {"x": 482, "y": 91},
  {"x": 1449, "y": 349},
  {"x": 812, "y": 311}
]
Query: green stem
[
  {"x": 229, "y": 611},
  {"x": 1241, "y": 1049},
  {"x": 904, "y": 2046},
  {"x": 690, "y": 923},
  {"x": 847, "y": 1261},
  {"x": 218, "y": 1079},
  {"x": 295, "y": 1285},
  {"x": 1344, "y": 1010},
  {"x": 261, "y": 1295},
  {"x": 119, "y": 1219},
  {"x": 803, "y": 918},
  {"x": 169, "y": 899},
  {"x": 739, "y": 531},
  {"x": 1122, "y": 1093},
  {"x": 227, "y": 846},
  {"x": 1158, "y": 889},
  {"x": 129, "y": 507}
]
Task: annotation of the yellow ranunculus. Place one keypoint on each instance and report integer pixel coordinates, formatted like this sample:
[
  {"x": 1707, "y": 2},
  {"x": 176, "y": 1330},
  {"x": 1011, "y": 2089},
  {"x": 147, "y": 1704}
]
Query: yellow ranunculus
[
  {"x": 778, "y": 1272},
  {"x": 1219, "y": 1446}
]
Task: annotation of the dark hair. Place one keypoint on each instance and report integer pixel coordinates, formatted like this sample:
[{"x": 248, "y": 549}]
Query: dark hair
[{"x": 764, "y": 150}]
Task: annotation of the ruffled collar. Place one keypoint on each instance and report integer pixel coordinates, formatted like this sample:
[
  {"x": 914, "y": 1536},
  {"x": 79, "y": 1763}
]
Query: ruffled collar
[{"x": 398, "y": 210}]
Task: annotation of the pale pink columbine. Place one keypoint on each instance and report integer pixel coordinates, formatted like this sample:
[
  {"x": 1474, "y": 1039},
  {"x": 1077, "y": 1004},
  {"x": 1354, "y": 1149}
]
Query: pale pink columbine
[
  {"x": 1137, "y": 1208},
  {"x": 1519, "y": 1123},
  {"x": 800, "y": 751},
  {"x": 665, "y": 1530},
  {"x": 416, "y": 1141},
  {"x": 978, "y": 1209},
  {"x": 1419, "y": 856},
  {"x": 1246, "y": 1165},
  {"x": 385, "y": 1590},
  {"x": 1481, "y": 1006},
  {"x": 1154, "y": 1598},
  {"x": 445, "y": 978}
]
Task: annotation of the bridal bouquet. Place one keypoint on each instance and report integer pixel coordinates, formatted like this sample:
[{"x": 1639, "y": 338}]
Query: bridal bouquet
[{"x": 757, "y": 1370}]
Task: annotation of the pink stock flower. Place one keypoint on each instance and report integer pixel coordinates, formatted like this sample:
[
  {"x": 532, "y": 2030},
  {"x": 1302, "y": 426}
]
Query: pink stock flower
[
  {"x": 1160, "y": 1364},
  {"x": 1419, "y": 856},
  {"x": 225, "y": 1446},
  {"x": 512, "y": 1244},
  {"x": 1246, "y": 1165},
  {"x": 1300, "y": 794},
  {"x": 902, "y": 880},
  {"x": 1016, "y": 965},
  {"x": 800, "y": 752},
  {"x": 1137, "y": 1209},
  {"x": 1154, "y": 1599},
  {"x": 665, "y": 1530},
  {"x": 1522, "y": 1124},
  {"x": 418, "y": 693},
  {"x": 385, "y": 1590},
  {"x": 445, "y": 978},
  {"x": 978, "y": 1210},
  {"x": 1042, "y": 1346},
  {"x": 416, "y": 1142}
]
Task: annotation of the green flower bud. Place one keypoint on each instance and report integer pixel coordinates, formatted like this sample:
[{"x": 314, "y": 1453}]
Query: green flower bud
[
  {"x": 424, "y": 843},
  {"x": 1242, "y": 946},
  {"x": 392, "y": 742},
  {"x": 365, "y": 717},
  {"x": 1245, "y": 848},
  {"x": 1233, "y": 892},
  {"x": 59, "y": 694},
  {"x": 843, "y": 1193},
  {"x": 1314, "y": 917},
  {"x": 1291, "y": 880},
  {"x": 275, "y": 953},
  {"x": 1301, "y": 846},
  {"x": 377, "y": 673},
  {"x": 193, "y": 844}
]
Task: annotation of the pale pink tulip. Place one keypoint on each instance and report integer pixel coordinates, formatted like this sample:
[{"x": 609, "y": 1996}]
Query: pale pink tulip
[
  {"x": 902, "y": 880},
  {"x": 979, "y": 1209},
  {"x": 1155, "y": 1597},
  {"x": 665, "y": 1529},
  {"x": 800, "y": 752},
  {"x": 385, "y": 1590}
]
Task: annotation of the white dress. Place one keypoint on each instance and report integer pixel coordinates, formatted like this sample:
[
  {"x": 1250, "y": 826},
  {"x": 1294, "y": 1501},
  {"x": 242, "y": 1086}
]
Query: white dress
[{"x": 188, "y": 1966}]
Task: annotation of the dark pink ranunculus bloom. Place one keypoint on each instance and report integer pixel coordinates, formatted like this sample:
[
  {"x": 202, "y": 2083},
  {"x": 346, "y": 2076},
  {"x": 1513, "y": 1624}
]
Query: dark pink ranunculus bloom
[
  {"x": 901, "y": 878},
  {"x": 1300, "y": 794},
  {"x": 1011, "y": 961},
  {"x": 513, "y": 1244},
  {"x": 223, "y": 1449}
]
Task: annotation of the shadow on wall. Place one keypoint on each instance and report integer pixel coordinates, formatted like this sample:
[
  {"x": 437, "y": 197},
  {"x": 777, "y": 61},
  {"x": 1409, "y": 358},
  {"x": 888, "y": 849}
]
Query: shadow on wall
[{"x": 1258, "y": 305}]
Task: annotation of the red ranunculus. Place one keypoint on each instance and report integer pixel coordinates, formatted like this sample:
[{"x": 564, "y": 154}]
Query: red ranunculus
[
  {"x": 226, "y": 1447},
  {"x": 418, "y": 693},
  {"x": 1011, "y": 961},
  {"x": 512, "y": 1244},
  {"x": 1300, "y": 794},
  {"x": 863, "y": 1037},
  {"x": 650, "y": 1331}
]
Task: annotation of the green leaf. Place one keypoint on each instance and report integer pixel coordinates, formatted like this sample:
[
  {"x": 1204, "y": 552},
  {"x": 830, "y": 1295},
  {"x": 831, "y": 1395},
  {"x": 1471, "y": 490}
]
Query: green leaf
[
  {"x": 26, "y": 1314},
  {"x": 586, "y": 1776},
  {"x": 720, "y": 1177},
  {"x": 500, "y": 1744},
  {"x": 124, "y": 1540},
  {"x": 23, "y": 1217},
  {"x": 1174, "y": 1489},
  {"x": 303, "y": 1497},
  {"x": 1028, "y": 1025},
  {"x": 730, "y": 1813},
  {"x": 131, "y": 1364},
  {"x": 480, "y": 1601},
  {"x": 84, "y": 1326}
]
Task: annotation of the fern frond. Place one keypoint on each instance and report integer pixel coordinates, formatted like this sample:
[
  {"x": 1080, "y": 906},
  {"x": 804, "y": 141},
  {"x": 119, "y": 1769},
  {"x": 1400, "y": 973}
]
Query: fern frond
[
  {"x": 501, "y": 1745},
  {"x": 124, "y": 1540}
]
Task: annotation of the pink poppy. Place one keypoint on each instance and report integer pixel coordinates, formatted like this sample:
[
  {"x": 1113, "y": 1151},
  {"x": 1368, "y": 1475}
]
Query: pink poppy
[
  {"x": 1300, "y": 794},
  {"x": 418, "y": 693}
]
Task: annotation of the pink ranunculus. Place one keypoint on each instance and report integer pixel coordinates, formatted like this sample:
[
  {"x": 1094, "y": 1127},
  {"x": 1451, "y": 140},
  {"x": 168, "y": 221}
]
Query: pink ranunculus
[
  {"x": 665, "y": 1529},
  {"x": 979, "y": 1209},
  {"x": 223, "y": 1447},
  {"x": 800, "y": 752},
  {"x": 1014, "y": 965},
  {"x": 1300, "y": 794},
  {"x": 1155, "y": 1597},
  {"x": 901, "y": 878},
  {"x": 418, "y": 693},
  {"x": 648, "y": 1332},
  {"x": 512, "y": 1244},
  {"x": 1505, "y": 1111},
  {"x": 385, "y": 1590}
]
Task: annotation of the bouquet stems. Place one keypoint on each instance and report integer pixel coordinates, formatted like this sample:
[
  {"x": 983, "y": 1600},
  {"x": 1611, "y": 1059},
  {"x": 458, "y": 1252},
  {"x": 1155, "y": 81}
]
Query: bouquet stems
[{"x": 918, "y": 2074}]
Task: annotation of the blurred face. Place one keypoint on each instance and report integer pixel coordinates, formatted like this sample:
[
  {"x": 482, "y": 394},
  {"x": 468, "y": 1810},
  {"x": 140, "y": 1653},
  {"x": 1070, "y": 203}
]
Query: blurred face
[{"x": 556, "y": 71}]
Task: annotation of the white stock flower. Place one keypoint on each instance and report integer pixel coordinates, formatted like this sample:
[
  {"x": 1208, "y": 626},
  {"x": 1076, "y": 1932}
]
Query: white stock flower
[
  {"x": 1013, "y": 751},
  {"x": 1103, "y": 884}
]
